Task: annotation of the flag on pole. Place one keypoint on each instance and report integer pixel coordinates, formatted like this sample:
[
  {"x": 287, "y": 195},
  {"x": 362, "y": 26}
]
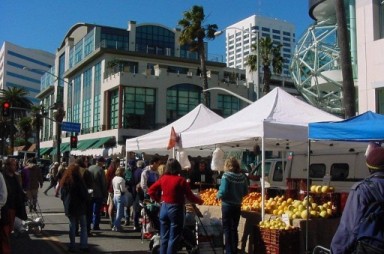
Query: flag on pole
[{"x": 173, "y": 139}]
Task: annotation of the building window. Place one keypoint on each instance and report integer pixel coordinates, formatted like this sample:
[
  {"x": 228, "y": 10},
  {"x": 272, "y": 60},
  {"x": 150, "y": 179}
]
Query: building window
[
  {"x": 114, "y": 108},
  {"x": 139, "y": 108},
  {"x": 381, "y": 19},
  {"x": 181, "y": 99},
  {"x": 96, "y": 98},
  {"x": 380, "y": 100},
  {"x": 76, "y": 99},
  {"x": 87, "y": 91},
  {"x": 228, "y": 104},
  {"x": 89, "y": 43},
  {"x": 155, "y": 40}
]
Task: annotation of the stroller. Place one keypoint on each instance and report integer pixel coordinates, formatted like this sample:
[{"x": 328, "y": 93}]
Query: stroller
[
  {"x": 35, "y": 221},
  {"x": 151, "y": 215}
]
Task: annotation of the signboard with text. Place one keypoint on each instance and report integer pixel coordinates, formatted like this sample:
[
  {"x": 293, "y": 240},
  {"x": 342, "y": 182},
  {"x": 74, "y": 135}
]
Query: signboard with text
[{"x": 70, "y": 127}]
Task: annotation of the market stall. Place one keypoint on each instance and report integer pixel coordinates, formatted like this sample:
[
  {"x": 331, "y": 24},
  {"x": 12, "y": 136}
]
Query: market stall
[{"x": 156, "y": 141}]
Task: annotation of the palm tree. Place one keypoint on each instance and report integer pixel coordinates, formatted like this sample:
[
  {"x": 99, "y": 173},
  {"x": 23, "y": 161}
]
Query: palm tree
[
  {"x": 193, "y": 34},
  {"x": 20, "y": 104},
  {"x": 349, "y": 96},
  {"x": 25, "y": 127},
  {"x": 269, "y": 54}
]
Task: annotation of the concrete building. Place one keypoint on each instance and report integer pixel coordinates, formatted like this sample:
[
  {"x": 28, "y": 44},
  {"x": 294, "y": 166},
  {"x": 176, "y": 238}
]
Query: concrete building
[
  {"x": 14, "y": 58},
  {"x": 241, "y": 35},
  {"x": 121, "y": 83},
  {"x": 370, "y": 52}
]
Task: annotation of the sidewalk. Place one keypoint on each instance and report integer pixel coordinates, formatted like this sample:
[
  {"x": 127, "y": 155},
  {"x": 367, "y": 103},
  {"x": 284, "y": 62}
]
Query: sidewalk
[{"x": 54, "y": 237}]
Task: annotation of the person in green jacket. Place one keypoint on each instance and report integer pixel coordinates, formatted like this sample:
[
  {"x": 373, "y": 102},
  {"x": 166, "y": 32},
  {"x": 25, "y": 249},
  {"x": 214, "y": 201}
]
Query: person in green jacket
[{"x": 233, "y": 187}]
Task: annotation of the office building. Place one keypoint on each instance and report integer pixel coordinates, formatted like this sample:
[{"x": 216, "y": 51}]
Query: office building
[
  {"x": 14, "y": 59},
  {"x": 120, "y": 83}
]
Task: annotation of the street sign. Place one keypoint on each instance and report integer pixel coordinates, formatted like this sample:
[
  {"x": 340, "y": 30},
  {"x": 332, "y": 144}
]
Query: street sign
[{"x": 70, "y": 127}]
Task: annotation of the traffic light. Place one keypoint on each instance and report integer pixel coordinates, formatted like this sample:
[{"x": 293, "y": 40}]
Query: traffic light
[
  {"x": 6, "y": 108},
  {"x": 73, "y": 141}
]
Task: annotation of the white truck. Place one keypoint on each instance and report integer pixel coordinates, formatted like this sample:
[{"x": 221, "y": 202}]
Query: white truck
[{"x": 340, "y": 170}]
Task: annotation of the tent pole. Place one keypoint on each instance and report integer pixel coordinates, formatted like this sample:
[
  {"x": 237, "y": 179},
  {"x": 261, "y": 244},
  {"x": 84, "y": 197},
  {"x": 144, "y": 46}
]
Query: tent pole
[
  {"x": 308, "y": 183},
  {"x": 262, "y": 179}
]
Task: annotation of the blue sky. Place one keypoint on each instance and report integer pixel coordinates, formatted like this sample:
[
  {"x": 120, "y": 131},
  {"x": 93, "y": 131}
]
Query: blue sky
[{"x": 42, "y": 24}]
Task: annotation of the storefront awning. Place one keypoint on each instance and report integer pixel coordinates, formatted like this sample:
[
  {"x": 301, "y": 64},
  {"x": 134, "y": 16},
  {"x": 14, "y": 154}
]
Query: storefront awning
[
  {"x": 100, "y": 142},
  {"x": 85, "y": 144},
  {"x": 45, "y": 150},
  {"x": 63, "y": 148}
]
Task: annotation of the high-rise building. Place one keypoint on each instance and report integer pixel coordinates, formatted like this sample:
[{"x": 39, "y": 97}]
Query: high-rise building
[
  {"x": 241, "y": 35},
  {"x": 23, "y": 67}
]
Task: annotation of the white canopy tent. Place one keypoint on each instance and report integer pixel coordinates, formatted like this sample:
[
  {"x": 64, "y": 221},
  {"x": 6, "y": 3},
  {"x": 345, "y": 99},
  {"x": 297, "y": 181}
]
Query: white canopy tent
[
  {"x": 278, "y": 120},
  {"x": 157, "y": 141}
]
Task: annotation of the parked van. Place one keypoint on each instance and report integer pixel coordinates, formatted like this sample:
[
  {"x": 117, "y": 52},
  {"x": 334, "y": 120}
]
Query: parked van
[{"x": 338, "y": 170}]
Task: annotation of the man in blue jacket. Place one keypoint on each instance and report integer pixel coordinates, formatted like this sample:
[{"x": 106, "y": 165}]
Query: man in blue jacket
[{"x": 360, "y": 197}]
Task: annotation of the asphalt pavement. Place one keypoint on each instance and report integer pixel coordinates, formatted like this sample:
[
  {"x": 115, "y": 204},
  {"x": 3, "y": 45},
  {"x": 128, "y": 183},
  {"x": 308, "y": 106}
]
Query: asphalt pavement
[{"x": 54, "y": 237}]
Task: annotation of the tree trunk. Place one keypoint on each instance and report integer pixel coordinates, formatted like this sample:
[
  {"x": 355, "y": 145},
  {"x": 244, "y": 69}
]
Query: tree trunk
[
  {"x": 345, "y": 60},
  {"x": 204, "y": 74},
  {"x": 267, "y": 79}
]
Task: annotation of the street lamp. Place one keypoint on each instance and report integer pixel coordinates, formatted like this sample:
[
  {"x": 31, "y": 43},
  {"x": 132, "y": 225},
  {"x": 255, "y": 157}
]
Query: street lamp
[
  {"x": 230, "y": 92},
  {"x": 218, "y": 33},
  {"x": 58, "y": 115}
]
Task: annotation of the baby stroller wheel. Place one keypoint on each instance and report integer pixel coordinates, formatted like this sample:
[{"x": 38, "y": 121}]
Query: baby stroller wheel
[
  {"x": 194, "y": 250},
  {"x": 155, "y": 249}
]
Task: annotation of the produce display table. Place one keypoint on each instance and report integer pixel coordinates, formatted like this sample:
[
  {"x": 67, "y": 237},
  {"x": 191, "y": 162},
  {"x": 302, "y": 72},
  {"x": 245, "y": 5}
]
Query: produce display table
[{"x": 320, "y": 231}]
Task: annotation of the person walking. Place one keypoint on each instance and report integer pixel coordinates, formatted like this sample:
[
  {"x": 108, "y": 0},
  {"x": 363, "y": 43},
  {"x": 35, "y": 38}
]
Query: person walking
[
  {"x": 172, "y": 190},
  {"x": 32, "y": 180},
  {"x": 360, "y": 197},
  {"x": 137, "y": 193},
  {"x": 74, "y": 195},
  {"x": 99, "y": 190},
  {"x": 3, "y": 192},
  {"x": 14, "y": 205},
  {"x": 53, "y": 177},
  {"x": 60, "y": 173},
  {"x": 115, "y": 163},
  {"x": 150, "y": 175},
  {"x": 233, "y": 187},
  {"x": 119, "y": 199},
  {"x": 88, "y": 180}
]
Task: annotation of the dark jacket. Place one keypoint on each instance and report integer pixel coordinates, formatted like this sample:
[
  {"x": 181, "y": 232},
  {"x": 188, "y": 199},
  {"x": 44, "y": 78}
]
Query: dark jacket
[
  {"x": 359, "y": 198},
  {"x": 75, "y": 198},
  {"x": 16, "y": 197}
]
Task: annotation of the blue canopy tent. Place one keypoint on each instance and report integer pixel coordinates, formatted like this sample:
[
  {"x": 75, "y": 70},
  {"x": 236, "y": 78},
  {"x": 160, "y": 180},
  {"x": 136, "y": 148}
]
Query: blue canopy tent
[
  {"x": 366, "y": 127},
  {"x": 363, "y": 128}
]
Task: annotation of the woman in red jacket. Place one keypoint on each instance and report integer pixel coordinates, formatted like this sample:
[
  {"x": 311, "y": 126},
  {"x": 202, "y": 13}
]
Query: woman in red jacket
[{"x": 172, "y": 190}]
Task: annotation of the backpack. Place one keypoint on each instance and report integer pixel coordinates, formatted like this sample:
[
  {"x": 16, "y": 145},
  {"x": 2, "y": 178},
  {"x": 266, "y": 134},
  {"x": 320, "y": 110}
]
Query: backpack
[{"x": 370, "y": 235}]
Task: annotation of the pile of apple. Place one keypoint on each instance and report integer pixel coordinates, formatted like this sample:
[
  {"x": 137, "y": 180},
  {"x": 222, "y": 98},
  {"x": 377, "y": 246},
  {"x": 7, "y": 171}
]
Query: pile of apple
[
  {"x": 276, "y": 223},
  {"x": 321, "y": 189}
]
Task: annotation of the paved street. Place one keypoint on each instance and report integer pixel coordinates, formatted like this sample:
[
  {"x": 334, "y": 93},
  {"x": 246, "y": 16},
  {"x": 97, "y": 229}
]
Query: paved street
[{"x": 54, "y": 237}]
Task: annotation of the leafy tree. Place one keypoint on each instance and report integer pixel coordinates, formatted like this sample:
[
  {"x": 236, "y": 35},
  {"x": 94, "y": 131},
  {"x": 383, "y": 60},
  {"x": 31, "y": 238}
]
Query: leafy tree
[
  {"x": 269, "y": 55},
  {"x": 193, "y": 33},
  {"x": 25, "y": 127},
  {"x": 19, "y": 101}
]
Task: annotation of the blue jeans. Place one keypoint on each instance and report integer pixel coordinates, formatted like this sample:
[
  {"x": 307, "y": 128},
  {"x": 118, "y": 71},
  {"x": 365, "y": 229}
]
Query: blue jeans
[
  {"x": 96, "y": 206},
  {"x": 119, "y": 204},
  {"x": 171, "y": 227},
  {"x": 230, "y": 218},
  {"x": 83, "y": 231}
]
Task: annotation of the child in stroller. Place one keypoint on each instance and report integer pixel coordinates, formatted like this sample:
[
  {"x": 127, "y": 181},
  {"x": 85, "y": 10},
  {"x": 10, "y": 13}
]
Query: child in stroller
[{"x": 151, "y": 215}]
